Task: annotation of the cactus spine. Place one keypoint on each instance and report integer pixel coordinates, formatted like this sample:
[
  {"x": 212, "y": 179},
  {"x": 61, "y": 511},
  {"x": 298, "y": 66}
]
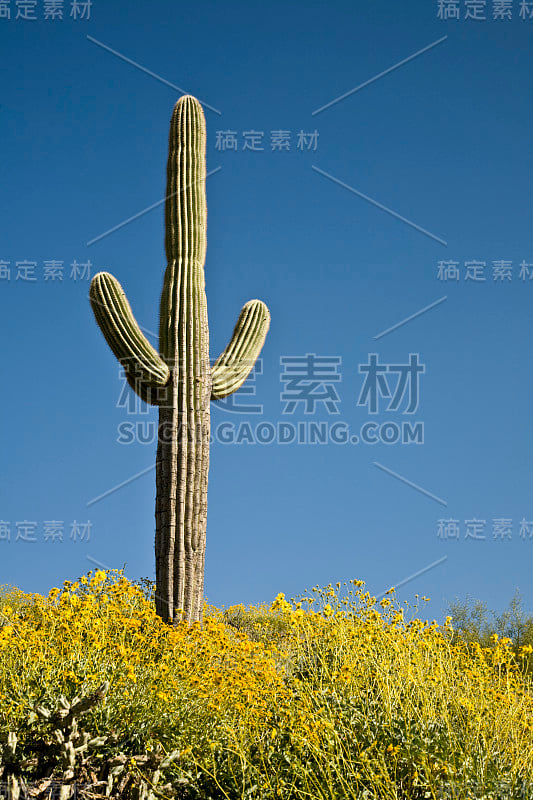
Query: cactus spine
[{"x": 179, "y": 379}]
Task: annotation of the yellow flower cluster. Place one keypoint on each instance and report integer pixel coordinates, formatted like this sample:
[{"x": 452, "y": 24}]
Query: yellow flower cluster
[{"x": 283, "y": 674}]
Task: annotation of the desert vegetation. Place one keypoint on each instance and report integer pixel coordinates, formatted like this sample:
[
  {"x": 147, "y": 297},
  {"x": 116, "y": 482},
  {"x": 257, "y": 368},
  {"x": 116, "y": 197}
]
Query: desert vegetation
[{"x": 329, "y": 695}]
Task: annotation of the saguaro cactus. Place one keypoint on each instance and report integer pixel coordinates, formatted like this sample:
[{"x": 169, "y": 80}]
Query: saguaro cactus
[{"x": 179, "y": 379}]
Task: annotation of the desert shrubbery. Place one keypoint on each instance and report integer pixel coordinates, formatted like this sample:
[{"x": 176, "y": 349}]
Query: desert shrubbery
[
  {"x": 473, "y": 622},
  {"x": 329, "y": 696}
]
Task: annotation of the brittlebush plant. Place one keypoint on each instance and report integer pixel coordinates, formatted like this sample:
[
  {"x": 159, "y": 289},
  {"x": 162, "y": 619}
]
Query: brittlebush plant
[{"x": 332, "y": 695}]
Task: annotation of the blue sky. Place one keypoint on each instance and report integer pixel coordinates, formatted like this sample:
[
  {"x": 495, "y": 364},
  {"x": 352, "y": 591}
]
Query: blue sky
[{"x": 341, "y": 235}]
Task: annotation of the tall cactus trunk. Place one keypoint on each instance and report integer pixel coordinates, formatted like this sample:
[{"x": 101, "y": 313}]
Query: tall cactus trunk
[
  {"x": 183, "y": 442},
  {"x": 181, "y": 503},
  {"x": 179, "y": 378}
]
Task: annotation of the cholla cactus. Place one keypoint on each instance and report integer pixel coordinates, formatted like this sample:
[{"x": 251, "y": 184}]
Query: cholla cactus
[
  {"x": 60, "y": 753},
  {"x": 67, "y": 747},
  {"x": 179, "y": 379}
]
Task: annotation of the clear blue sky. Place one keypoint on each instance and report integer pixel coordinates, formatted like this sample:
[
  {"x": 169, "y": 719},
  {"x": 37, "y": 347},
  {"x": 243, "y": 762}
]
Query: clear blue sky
[{"x": 436, "y": 161}]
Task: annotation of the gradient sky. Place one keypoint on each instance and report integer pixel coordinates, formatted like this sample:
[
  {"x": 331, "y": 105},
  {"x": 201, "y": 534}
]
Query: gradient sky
[{"x": 427, "y": 159}]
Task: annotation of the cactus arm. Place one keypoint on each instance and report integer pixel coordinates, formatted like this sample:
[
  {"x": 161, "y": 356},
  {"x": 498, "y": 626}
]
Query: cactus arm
[
  {"x": 146, "y": 372},
  {"x": 235, "y": 363}
]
